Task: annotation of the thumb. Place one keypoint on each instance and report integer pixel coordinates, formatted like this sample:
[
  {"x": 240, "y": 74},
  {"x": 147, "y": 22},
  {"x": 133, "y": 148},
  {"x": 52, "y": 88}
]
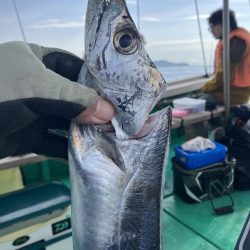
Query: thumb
[{"x": 99, "y": 113}]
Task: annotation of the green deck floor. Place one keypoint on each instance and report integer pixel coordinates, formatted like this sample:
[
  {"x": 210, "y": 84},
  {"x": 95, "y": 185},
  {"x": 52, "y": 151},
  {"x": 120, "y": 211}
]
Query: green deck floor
[
  {"x": 178, "y": 236},
  {"x": 208, "y": 230}
]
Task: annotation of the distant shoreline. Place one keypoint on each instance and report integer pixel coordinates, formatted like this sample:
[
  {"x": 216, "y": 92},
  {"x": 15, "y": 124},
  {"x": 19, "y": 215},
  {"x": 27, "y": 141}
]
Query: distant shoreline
[{"x": 164, "y": 63}]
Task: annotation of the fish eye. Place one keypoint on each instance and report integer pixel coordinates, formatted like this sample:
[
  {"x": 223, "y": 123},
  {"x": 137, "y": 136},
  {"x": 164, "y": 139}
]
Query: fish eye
[{"x": 126, "y": 42}]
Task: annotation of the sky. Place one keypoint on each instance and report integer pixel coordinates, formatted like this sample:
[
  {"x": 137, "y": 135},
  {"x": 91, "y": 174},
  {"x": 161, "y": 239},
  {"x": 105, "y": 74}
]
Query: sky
[{"x": 170, "y": 27}]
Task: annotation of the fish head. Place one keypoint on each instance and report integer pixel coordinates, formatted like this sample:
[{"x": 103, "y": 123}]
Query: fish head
[{"x": 118, "y": 66}]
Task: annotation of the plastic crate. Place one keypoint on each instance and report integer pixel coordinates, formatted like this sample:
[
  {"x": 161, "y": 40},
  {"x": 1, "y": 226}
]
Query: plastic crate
[{"x": 193, "y": 160}]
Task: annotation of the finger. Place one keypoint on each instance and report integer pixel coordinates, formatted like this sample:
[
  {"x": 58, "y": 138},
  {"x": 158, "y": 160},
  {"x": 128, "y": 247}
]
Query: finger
[{"x": 100, "y": 113}]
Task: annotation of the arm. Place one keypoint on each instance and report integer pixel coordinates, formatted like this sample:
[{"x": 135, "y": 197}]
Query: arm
[
  {"x": 215, "y": 84},
  {"x": 237, "y": 49}
]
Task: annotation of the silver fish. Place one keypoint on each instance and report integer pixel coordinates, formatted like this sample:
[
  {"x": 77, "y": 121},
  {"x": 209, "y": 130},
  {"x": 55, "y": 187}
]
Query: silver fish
[
  {"x": 117, "y": 178},
  {"x": 117, "y": 187},
  {"x": 118, "y": 67}
]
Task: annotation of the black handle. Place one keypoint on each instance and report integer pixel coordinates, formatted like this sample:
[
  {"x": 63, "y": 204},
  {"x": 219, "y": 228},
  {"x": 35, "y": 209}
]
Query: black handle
[{"x": 224, "y": 191}]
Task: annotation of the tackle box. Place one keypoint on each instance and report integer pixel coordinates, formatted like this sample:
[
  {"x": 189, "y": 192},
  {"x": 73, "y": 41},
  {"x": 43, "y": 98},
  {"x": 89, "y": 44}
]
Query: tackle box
[{"x": 193, "y": 160}]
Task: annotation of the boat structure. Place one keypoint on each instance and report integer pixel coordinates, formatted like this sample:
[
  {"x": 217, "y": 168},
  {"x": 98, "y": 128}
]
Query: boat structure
[{"x": 201, "y": 207}]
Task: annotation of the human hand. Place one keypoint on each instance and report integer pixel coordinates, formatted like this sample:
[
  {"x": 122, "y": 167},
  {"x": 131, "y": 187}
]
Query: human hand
[
  {"x": 34, "y": 99},
  {"x": 99, "y": 113}
]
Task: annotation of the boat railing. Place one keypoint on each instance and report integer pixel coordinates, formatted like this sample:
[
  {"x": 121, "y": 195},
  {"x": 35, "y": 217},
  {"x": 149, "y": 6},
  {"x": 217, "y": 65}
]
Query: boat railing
[
  {"x": 185, "y": 86},
  {"x": 21, "y": 160}
]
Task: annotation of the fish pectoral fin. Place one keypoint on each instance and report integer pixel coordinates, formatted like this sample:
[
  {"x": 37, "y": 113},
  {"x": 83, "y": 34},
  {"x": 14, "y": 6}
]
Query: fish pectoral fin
[{"x": 109, "y": 150}]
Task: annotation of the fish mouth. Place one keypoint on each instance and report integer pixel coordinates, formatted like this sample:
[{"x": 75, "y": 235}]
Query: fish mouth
[
  {"x": 146, "y": 128},
  {"x": 152, "y": 117},
  {"x": 150, "y": 124}
]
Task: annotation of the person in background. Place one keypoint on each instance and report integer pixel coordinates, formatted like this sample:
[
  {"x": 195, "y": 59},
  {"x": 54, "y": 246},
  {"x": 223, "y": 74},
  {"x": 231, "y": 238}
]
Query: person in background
[
  {"x": 239, "y": 62},
  {"x": 38, "y": 92}
]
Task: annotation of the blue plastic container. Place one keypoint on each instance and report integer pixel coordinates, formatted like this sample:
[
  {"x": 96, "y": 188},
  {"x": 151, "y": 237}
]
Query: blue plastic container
[{"x": 193, "y": 160}]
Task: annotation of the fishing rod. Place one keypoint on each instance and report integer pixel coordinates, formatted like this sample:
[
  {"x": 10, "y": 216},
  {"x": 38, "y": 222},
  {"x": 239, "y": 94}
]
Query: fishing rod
[
  {"x": 201, "y": 38},
  {"x": 19, "y": 21}
]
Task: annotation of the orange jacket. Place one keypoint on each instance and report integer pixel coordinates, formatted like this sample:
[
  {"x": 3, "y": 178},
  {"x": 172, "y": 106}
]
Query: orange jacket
[{"x": 242, "y": 73}]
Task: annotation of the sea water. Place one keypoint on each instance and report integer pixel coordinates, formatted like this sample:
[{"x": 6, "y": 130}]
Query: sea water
[{"x": 177, "y": 73}]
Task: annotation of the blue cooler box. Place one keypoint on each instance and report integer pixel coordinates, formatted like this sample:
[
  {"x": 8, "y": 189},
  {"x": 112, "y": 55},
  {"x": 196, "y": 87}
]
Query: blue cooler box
[{"x": 193, "y": 160}]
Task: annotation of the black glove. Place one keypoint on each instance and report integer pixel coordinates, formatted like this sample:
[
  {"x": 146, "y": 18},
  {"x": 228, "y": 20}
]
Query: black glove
[{"x": 34, "y": 99}]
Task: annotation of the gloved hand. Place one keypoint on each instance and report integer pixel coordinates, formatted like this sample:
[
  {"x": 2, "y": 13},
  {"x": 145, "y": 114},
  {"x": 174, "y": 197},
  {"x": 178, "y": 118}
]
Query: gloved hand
[{"x": 34, "y": 99}]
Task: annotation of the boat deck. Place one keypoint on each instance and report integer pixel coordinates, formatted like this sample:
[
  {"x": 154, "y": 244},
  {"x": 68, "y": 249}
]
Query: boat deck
[{"x": 196, "y": 227}]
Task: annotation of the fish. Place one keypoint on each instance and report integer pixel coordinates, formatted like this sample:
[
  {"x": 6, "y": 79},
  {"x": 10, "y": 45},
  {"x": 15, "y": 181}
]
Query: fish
[
  {"x": 118, "y": 67},
  {"x": 117, "y": 187},
  {"x": 117, "y": 176}
]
